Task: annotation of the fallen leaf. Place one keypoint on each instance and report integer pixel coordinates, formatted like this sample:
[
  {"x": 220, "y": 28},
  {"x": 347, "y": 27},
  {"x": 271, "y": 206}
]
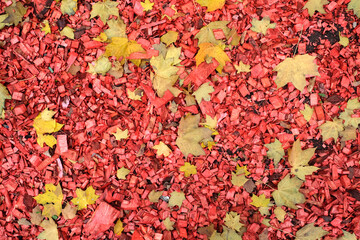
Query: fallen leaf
[
  {"x": 2, "y": 19},
  {"x": 310, "y": 232},
  {"x": 169, "y": 37},
  {"x": 260, "y": 201},
  {"x": 353, "y": 104},
  {"x": 208, "y": 50},
  {"x": 275, "y": 151},
  {"x": 118, "y": 228},
  {"x": 104, "y": 9},
  {"x": 232, "y": 221},
  {"x": 299, "y": 159},
  {"x": 102, "y": 65},
  {"x": 23, "y": 221},
  {"x": 35, "y": 216},
  {"x": 349, "y": 133},
  {"x": 315, "y": 5},
  {"x": 50, "y": 230},
  {"x": 348, "y": 236},
  {"x": 51, "y": 200},
  {"x": 154, "y": 196},
  {"x": 69, "y": 212},
  {"x": 210, "y": 122},
  {"x": 280, "y": 214},
  {"x": 230, "y": 234},
  {"x": 242, "y": 170},
  {"x": 147, "y": 5},
  {"x": 203, "y": 92},
  {"x": 346, "y": 115},
  {"x": 116, "y": 70},
  {"x": 288, "y": 192},
  {"x": 208, "y": 230},
  {"x": 84, "y": 198},
  {"x": 354, "y": 5},
  {"x": 295, "y": 70},
  {"x": 121, "y": 134},
  {"x": 188, "y": 169},
  {"x": 15, "y": 13},
  {"x": 67, "y": 32},
  {"x": 344, "y": 41},
  {"x": 176, "y": 199},
  {"x": 206, "y": 33},
  {"x": 46, "y": 28},
  {"x": 162, "y": 149},
  {"x": 168, "y": 224},
  {"x": 4, "y": 94},
  {"x": 238, "y": 180},
  {"x": 242, "y": 67},
  {"x": 190, "y": 135},
  {"x": 101, "y": 38},
  {"x": 135, "y": 95},
  {"x": 122, "y": 173},
  {"x": 121, "y": 47},
  {"x": 117, "y": 28},
  {"x": 261, "y": 26},
  {"x": 211, "y": 5},
  {"x": 307, "y": 112},
  {"x": 68, "y": 7},
  {"x": 331, "y": 129}
]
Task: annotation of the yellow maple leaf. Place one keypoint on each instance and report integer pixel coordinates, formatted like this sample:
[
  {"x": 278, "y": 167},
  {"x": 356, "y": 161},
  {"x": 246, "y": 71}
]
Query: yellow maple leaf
[
  {"x": 162, "y": 149},
  {"x": 346, "y": 115},
  {"x": 118, "y": 228},
  {"x": 154, "y": 196},
  {"x": 4, "y": 94},
  {"x": 51, "y": 200},
  {"x": 242, "y": 67},
  {"x": 190, "y": 135},
  {"x": 295, "y": 70},
  {"x": 122, "y": 48},
  {"x": 83, "y": 198},
  {"x": 169, "y": 37},
  {"x": 344, "y": 41},
  {"x": 117, "y": 28},
  {"x": 168, "y": 224},
  {"x": 101, "y": 38},
  {"x": 68, "y": 7},
  {"x": 46, "y": 28},
  {"x": 299, "y": 159},
  {"x": 315, "y": 5},
  {"x": 242, "y": 170},
  {"x": 238, "y": 180},
  {"x": 260, "y": 201},
  {"x": 203, "y": 92},
  {"x": 275, "y": 151},
  {"x": 135, "y": 95},
  {"x": 147, "y": 5},
  {"x": 44, "y": 124},
  {"x": 208, "y": 50},
  {"x": 232, "y": 220},
  {"x": 288, "y": 193},
  {"x": 50, "y": 230},
  {"x": 102, "y": 65},
  {"x": 176, "y": 199},
  {"x": 104, "y": 9},
  {"x": 120, "y": 134},
  {"x": 261, "y": 26},
  {"x": 206, "y": 33},
  {"x": 355, "y": 5},
  {"x": 307, "y": 112},
  {"x": 210, "y": 122},
  {"x": 280, "y": 214},
  {"x": 188, "y": 169},
  {"x": 67, "y": 32},
  {"x": 309, "y": 232},
  {"x": 331, "y": 129},
  {"x": 122, "y": 173},
  {"x": 353, "y": 104},
  {"x": 211, "y": 5}
]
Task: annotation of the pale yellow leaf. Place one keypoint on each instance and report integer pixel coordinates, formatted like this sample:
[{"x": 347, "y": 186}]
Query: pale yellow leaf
[
  {"x": 275, "y": 151},
  {"x": 68, "y": 7},
  {"x": 295, "y": 70},
  {"x": 104, "y": 9},
  {"x": 122, "y": 173},
  {"x": 69, "y": 212},
  {"x": 203, "y": 92},
  {"x": 349, "y": 120},
  {"x": 162, "y": 149},
  {"x": 50, "y": 230},
  {"x": 67, "y": 32},
  {"x": 206, "y": 33},
  {"x": 232, "y": 220},
  {"x": 310, "y": 232},
  {"x": 102, "y": 65},
  {"x": 344, "y": 41},
  {"x": 349, "y": 133},
  {"x": 348, "y": 236},
  {"x": 154, "y": 196},
  {"x": 355, "y": 5},
  {"x": 35, "y": 216},
  {"x": 169, "y": 37},
  {"x": 168, "y": 224},
  {"x": 15, "y": 13},
  {"x": 307, "y": 112},
  {"x": 176, "y": 199},
  {"x": 210, "y": 122},
  {"x": 135, "y": 95},
  {"x": 4, "y": 94},
  {"x": 280, "y": 214},
  {"x": 121, "y": 134},
  {"x": 242, "y": 67},
  {"x": 288, "y": 193},
  {"x": 353, "y": 104},
  {"x": 121, "y": 47},
  {"x": 261, "y": 26},
  {"x": 238, "y": 180},
  {"x": 117, "y": 28},
  {"x": 315, "y": 5},
  {"x": 331, "y": 129},
  {"x": 101, "y": 38},
  {"x": 52, "y": 199}
]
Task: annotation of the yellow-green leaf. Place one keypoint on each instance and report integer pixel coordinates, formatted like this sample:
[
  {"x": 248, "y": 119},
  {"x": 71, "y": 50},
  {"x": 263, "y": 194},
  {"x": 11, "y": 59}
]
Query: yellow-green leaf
[
  {"x": 331, "y": 129},
  {"x": 203, "y": 92},
  {"x": 275, "y": 151},
  {"x": 260, "y": 201},
  {"x": 46, "y": 28},
  {"x": 349, "y": 120},
  {"x": 288, "y": 192},
  {"x": 344, "y": 41},
  {"x": 4, "y": 94},
  {"x": 261, "y": 26},
  {"x": 295, "y": 70},
  {"x": 232, "y": 220},
  {"x": 188, "y": 169},
  {"x": 168, "y": 224},
  {"x": 355, "y": 5},
  {"x": 104, "y": 9},
  {"x": 315, "y": 5},
  {"x": 310, "y": 232},
  {"x": 15, "y": 13},
  {"x": 307, "y": 112},
  {"x": 117, "y": 28},
  {"x": 101, "y": 66},
  {"x": 176, "y": 199},
  {"x": 154, "y": 196},
  {"x": 68, "y": 7},
  {"x": 67, "y": 32},
  {"x": 51, "y": 200},
  {"x": 280, "y": 214},
  {"x": 83, "y": 198},
  {"x": 348, "y": 236},
  {"x": 162, "y": 149}
]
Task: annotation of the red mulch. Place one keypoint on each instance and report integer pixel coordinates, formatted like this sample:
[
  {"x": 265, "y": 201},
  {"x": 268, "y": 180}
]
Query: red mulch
[{"x": 251, "y": 113}]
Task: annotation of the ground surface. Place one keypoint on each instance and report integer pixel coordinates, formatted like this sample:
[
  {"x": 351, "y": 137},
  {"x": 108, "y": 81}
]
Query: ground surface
[{"x": 51, "y": 71}]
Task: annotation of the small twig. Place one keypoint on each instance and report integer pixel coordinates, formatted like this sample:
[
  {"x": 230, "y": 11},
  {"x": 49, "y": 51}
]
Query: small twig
[
  {"x": 296, "y": 47},
  {"x": 198, "y": 12}
]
